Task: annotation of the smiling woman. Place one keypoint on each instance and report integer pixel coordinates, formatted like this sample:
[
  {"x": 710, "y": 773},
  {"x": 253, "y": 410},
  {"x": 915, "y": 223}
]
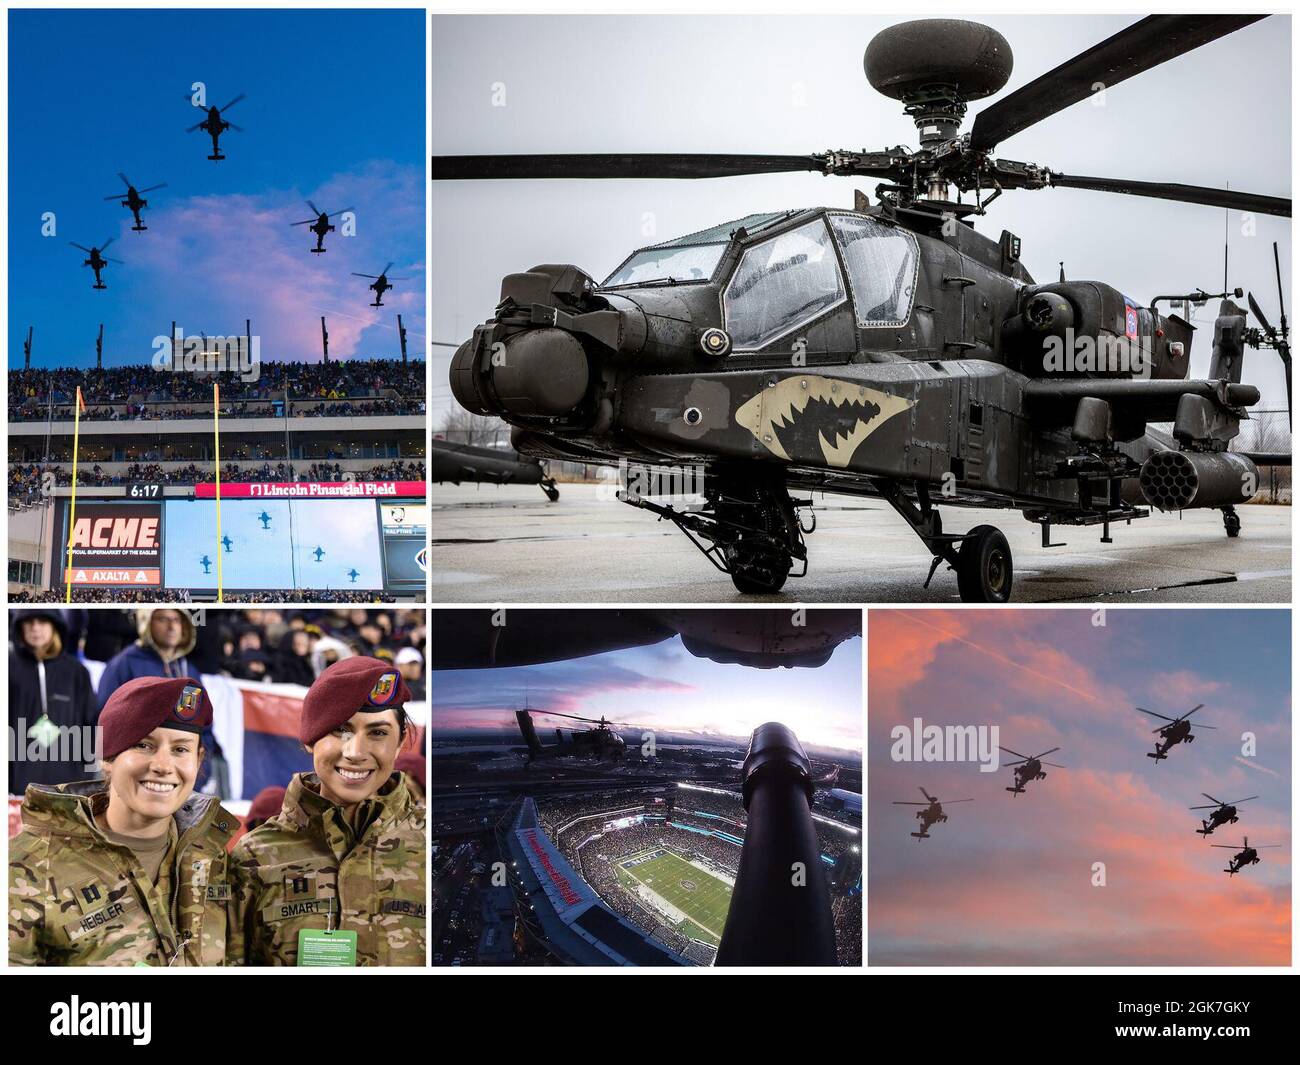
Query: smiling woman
[{"x": 130, "y": 870}]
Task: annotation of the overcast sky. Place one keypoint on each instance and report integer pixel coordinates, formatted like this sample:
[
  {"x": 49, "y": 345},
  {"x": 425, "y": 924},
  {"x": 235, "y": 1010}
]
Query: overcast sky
[{"x": 787, "y": 84}]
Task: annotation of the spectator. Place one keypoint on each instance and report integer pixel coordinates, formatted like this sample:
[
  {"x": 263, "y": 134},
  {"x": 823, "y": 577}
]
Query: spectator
[{"x": 48, "y": 689}]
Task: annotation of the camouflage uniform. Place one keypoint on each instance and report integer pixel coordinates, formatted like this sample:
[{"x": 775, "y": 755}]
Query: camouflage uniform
[
  {"x": 77, "y": 899},
  {"x": 306, "y": 868}
]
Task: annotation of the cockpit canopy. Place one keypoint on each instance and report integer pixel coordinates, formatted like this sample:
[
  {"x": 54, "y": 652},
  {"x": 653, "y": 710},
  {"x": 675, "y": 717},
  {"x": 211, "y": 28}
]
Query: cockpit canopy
[{"x": 782, "y": 282}]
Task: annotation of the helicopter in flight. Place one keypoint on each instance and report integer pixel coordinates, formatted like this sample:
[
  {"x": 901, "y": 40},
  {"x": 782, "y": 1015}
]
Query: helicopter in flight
[
  {"x": 886, "y": 349},
  {"x": 381, "y": 282},
  {"x": 320, "y": 225},
  {"x": 1224, "y": 813},
  {"x": 931, "y": 814},
  {"x": 265, "y": 519},
  {"x": 319, "y": 552},
  {"x": 1028, "y": 768},
  {"x": 601, "y": 742},
  {"x": 98, "y": 260},
  {"x": 134, "y": 200},
  {"x": 214, "y": 125},
  {"x": 1179, "y": 730},
  {"x": 1248, "y": 855}
]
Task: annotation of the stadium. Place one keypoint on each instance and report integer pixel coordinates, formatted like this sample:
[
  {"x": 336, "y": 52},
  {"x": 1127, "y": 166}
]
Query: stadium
[
  {"x": 322, "y": 483},
  {"x": 612, "y": 871}
]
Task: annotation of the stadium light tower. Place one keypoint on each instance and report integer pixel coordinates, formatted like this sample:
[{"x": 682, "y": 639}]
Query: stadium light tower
[
  {"x": 27, "y": 348},
  {"x": 324, "y": 339},
  {"x": 401, "y": 337},
  {"x": 99, "y": 348}
]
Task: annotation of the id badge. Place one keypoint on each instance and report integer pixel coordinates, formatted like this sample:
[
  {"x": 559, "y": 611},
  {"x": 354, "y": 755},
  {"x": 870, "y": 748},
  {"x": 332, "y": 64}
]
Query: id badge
[{"x": 335, "y": 950}]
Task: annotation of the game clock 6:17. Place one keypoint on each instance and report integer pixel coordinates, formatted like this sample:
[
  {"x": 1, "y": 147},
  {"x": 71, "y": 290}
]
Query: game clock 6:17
[{"x": 144, "y": 491}]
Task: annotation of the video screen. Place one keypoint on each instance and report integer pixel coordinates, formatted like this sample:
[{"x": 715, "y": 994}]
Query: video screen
[{"x": 303, "y": 543}]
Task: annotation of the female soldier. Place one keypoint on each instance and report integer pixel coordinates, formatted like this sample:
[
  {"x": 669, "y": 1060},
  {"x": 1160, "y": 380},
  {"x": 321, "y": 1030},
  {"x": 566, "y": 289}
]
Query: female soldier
[
  {"x": 337, "y": 877},
  {"x": 130, "y": 870}
]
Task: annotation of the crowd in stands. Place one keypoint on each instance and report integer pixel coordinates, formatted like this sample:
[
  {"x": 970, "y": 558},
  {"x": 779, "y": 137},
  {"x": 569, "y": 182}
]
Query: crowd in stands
[
  {"x": 182, "y": 595},
  {"x": 277, "y": 645},
  {"x": 27, "y": 480},
  {"x": 133, "y": 393}
]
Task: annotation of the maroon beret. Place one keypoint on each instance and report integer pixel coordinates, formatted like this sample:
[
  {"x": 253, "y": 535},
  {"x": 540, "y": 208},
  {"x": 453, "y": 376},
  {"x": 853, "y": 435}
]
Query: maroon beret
[
  {"x": 139, "y": 706},
  {"x": 353, "y": 685},
  {"x": 266, "y": 804}
]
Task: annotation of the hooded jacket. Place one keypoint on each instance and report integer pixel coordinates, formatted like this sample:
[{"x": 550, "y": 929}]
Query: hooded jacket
[
  {"x": 144, "y": 659},
  {"x": 57, "y": 687},
  {"x": 77, "y": 899},
  {"x": 308, "y": 868}
]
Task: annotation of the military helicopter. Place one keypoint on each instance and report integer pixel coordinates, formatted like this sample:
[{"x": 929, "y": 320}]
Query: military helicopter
[
  {"x": 381, "y": 282},
  {"x": 214, "y": 125},
  {"x": 134, "y": 200},
  {"x": 319, "y": 552},
  {"x": 98, "y": 260},
  {"x": 932, "y": 814},
  {"x": 1028, "y": 768},
  {"x": 885, "y": 350},
  {"x": 1225, "y": 813},
  {"x": 265, "y": 519},
  {"x": 320, "y": 225},
  {"x": 600, "y": 742},
  {"x": 1179, "y": 730},
  {"x": 1248, "y": 855},
  {"x": 456, "y": 463}
]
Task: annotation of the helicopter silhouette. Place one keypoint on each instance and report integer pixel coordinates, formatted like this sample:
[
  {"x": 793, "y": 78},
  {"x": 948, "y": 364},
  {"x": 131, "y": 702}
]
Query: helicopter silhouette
[
  {"x": 381, "y": 283},
  {"x": 319, "y": 552},
  {"x": 353, "y": 575},
  {"x": 600, "y": 742},
  {"x": 265, "y": 519},
  {"x": 320, "y": 225},
  {"x": 206, "y": 563},
  {"x": 98, "y": 260},
  {"x": 1179, "y": 730},
  {"x": 1225, "y": 813},
  {"x": 1029, "y": 768},
  {"x": 1248, "y": 855},
  {"x": 214, "y": 125},
  {"x": 134, "y": 200},
  {"x": 932, "y": 814},
  {"x": 227, "y": 543}
]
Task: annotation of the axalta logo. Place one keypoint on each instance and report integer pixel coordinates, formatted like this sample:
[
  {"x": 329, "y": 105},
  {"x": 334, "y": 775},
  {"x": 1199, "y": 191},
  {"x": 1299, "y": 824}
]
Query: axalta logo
[{"x": 133, "y": 1020}]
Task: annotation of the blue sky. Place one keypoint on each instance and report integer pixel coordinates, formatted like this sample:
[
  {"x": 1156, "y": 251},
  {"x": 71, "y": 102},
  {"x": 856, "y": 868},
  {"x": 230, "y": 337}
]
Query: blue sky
[
  {"x": 334, "y": 112},
  {"x": 665, "y": 687}
]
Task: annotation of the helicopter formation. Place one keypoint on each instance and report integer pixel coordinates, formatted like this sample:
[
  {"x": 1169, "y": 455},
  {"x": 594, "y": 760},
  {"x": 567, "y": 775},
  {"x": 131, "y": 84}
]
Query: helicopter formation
[
  {"x": 922, "y": 372},
  {"x": 1028, "y": 768},
  {"x": 214, "y": 124}
]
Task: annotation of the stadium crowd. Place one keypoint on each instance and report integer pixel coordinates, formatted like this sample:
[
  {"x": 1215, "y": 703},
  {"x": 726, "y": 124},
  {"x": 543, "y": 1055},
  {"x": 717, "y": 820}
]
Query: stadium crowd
[
  {"x": 183, "y": 595},
  {"x": 48, "y": 677},
  {"x": 138, "y": 390},
  {"x": 26, "y": 480}
]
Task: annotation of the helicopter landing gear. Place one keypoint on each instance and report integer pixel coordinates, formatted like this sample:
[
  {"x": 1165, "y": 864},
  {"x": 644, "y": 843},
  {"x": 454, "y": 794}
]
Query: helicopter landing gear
[
  {"x": 981, "y": 558},
  {"x": 1231, "y": 522},
  {"x": 984, "y": 569},
  {"x": 752, "y": 531},
  {"x": 548, "y": 486}
]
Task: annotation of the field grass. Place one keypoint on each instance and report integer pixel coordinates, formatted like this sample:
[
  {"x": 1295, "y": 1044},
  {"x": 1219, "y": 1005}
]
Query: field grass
[{"x": 703, "y": 898}]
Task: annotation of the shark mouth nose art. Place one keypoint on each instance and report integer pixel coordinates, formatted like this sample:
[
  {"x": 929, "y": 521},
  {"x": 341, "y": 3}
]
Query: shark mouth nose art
[{"x": 839, "y": 413}]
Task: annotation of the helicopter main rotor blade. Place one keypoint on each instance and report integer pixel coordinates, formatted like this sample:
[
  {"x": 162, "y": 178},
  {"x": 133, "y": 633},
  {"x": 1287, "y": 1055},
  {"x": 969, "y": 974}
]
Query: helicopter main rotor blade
[
  {"x": 117, "y": 196},
  {"x": 1217, "y": 802},
  {"x": 81, "y": 246},
  {"x": 125, "y": 180},
  {"x": 1153, "y": 714},
  {"x": 1147, "y": 43},
  {"x": 371, "y": 276},
  {"x": 665, "y": 165},
  {"x": 232, "y": 102},
  {"x": 314, "y": 209},
  {"x": 1052, "y": 751},
  {"x": 1164, "y": 190},
  {"x": 310, "y": 221},
  {"x": 1259, "y": 315},
  {"x": 335, "y": 214},
  {"x": 925, "y": 793},
  {"x": 1193, "y": 710},
  {"x": 1056, "y": 765},
  {"x": 197, "y": 125},
  {"x": 911, "y": 803},
  {"x": 107, "y": 243},
  {"x": 162, "y": 185}
]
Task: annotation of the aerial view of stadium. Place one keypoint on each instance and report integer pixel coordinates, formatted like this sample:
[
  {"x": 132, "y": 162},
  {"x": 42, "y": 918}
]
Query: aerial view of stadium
[
  {"x": 671, "y": 836},
  {"x": 223, "y": 405}
]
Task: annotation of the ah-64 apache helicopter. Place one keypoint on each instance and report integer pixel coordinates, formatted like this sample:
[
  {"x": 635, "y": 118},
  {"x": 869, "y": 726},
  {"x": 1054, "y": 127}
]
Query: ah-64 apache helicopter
[{"x": 887, "y": 350}]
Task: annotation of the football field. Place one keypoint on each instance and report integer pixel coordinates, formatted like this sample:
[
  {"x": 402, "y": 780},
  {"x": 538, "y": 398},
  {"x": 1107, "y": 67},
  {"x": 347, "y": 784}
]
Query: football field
[{"x": 703, "y": 898}]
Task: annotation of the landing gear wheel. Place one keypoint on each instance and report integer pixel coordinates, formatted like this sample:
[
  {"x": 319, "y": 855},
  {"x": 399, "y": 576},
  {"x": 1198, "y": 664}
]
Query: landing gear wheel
[
  {"x": 552, "y": 493},
  {"x": 759, "y": 573},
  {"x": 984, "y": 571},
  {"x": 1231, "y": 522}
]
